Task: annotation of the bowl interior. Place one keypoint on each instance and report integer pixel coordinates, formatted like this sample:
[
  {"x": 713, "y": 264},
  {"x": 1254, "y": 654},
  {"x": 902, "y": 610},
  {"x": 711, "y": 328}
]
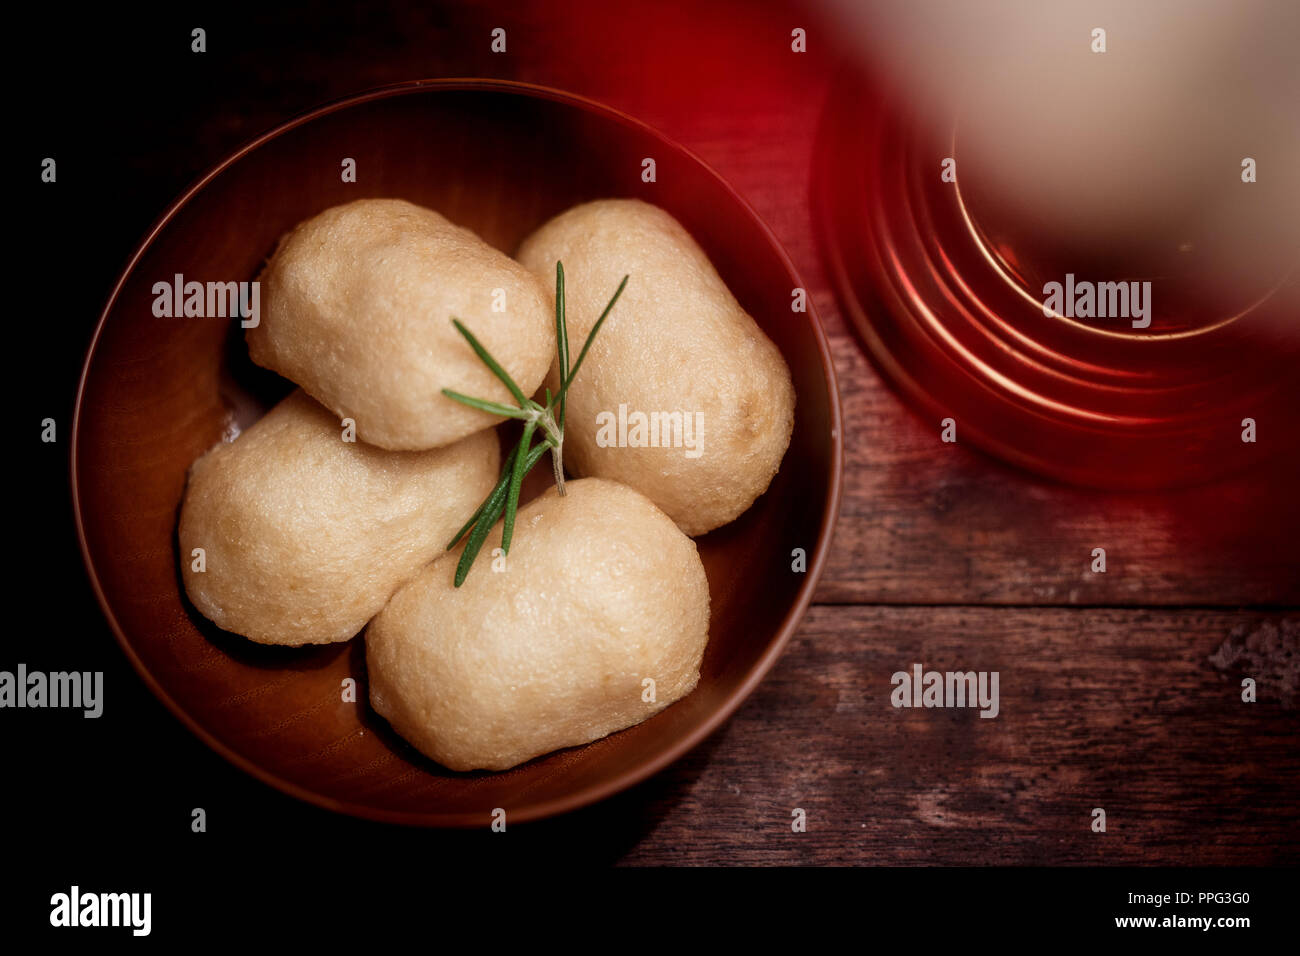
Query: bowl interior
[{"x": 157, "y": 392}]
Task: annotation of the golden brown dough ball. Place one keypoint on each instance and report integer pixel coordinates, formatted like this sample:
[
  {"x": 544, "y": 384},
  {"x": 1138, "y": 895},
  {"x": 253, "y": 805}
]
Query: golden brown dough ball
[
  {"x": 357, "y": 309},
  {"x": 601, "y": 593},
  {"x": 306, "y": 536},
  {"x": 682, "y": 395}
]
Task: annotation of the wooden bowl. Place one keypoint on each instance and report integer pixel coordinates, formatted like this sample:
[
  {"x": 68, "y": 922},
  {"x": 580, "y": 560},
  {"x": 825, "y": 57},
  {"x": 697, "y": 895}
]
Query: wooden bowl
[{"x": 155, "y": 393}]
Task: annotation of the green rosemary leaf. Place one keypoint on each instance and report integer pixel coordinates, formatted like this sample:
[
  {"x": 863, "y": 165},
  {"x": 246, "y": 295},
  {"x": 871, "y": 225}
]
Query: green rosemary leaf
[
  {"x": 476, "y": 538},
  {"x": 484, "y": 405},
  {"x": 491, "y": 510},
  {"x": 497, "y": 490},
  {"x": 490, "y": 362},
  {"x": 535, "y": 456},
  {"x": 470, "y": 523},
  {"x": 516, "y": 479},
  {"x": 504, "y": 497},
  {"x": 590, "y": 336},
  {"x": 561, "y": 336}
]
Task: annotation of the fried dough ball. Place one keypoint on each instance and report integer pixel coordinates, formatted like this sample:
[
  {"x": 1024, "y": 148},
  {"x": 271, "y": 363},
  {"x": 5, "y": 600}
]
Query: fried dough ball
[
  {"x": 358, "y": 303},
  {"x": 598, "y": 621},
  {"x": 306, "y": 536},
  {"x": 682, "y": 395}
]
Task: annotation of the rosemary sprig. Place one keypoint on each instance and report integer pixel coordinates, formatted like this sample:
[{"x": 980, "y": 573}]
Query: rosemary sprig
[{"x": 548, "y": 419}]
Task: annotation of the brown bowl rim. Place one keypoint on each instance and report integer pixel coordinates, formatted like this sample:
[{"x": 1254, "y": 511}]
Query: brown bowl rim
[{"x": 590, "y": 794}]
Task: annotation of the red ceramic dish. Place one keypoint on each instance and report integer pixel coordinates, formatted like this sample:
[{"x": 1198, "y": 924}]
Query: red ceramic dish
[
  {"x": 499, "y": 158},
  {"x": 944, "y": 287}
]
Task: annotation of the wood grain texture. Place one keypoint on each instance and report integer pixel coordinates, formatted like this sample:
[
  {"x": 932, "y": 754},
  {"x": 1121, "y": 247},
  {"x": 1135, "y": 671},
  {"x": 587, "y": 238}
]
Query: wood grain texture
[
  {"x": 1120, "y": 709},
  {"x": 927, "y": 523}
]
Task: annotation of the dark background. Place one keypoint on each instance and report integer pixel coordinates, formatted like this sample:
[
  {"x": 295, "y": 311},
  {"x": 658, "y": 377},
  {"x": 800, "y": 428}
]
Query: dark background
[{"x": 941, "y": 553}]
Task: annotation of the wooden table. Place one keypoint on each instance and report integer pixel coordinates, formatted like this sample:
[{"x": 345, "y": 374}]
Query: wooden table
[{"x": 1119, "y": 690}]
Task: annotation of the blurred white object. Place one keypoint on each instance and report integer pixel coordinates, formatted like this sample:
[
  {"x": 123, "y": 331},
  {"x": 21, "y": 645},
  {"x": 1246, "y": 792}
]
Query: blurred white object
[{"x": 1138, "y": 149}]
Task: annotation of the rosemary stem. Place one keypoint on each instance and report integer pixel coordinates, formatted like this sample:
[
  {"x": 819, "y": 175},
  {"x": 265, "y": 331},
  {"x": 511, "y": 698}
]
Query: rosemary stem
[
  {"x": 557, "y": 463},
  {"x": 549, "y": 419}
]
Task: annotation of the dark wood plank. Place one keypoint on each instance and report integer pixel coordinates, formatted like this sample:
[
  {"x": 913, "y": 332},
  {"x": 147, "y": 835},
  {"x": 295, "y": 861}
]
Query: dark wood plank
[
  {"x": 1134, "y": 711},
  {"x": 923, "y": 522}
]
